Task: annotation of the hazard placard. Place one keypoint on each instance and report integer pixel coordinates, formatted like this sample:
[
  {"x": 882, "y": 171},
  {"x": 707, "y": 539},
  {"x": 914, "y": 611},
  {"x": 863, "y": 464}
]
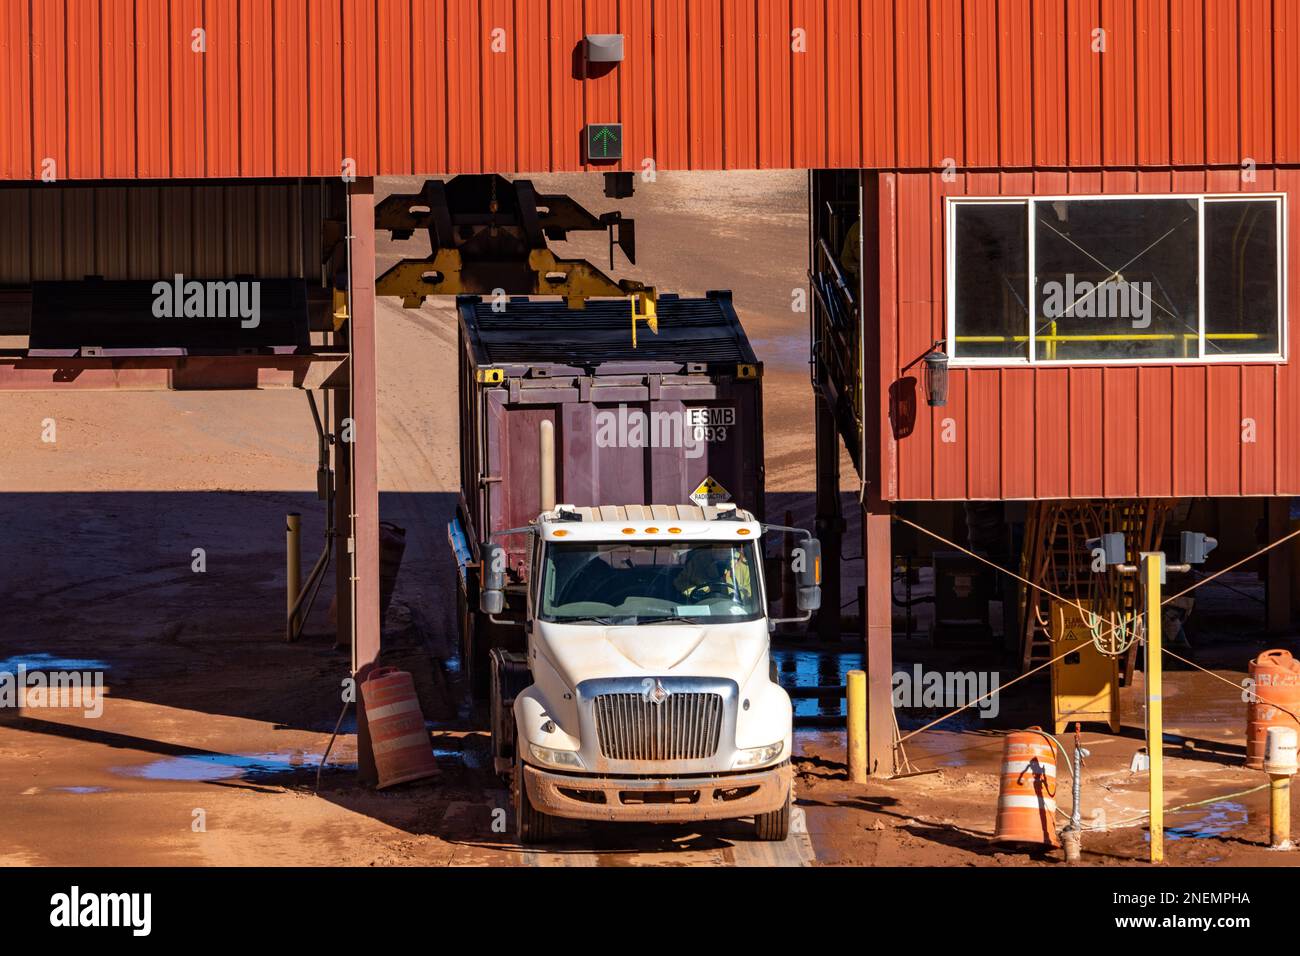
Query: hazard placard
[{"x": 710, "y": 492}]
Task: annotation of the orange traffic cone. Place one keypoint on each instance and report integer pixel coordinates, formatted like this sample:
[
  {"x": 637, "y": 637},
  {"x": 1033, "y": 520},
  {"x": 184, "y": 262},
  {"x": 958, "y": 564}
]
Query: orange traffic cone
[{"x": 1027, "y": 800}]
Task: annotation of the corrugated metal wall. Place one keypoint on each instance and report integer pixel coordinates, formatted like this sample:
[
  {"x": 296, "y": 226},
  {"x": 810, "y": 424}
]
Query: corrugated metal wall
[
  {"x": 144, "y": 231},
  {"x": 112, "y": 88},
  {"x": 1082, "y": 432}
]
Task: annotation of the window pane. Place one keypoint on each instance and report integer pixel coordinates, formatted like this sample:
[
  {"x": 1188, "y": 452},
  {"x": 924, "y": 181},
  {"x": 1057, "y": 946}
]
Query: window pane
[
  {"x": 991, "y": 282},
  {"x": 1241, "y": 304},
  {"x": 1116, "y": 279}
]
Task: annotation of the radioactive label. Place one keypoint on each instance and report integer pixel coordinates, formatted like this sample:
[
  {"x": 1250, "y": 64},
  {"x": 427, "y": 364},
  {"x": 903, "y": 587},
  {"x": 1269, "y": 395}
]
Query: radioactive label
[{"x": 710, "y": 492}]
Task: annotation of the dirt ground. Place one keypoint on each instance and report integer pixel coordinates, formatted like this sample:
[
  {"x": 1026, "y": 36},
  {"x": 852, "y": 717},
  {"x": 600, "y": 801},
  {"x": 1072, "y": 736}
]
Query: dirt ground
[{"x": 213, "y": 729}]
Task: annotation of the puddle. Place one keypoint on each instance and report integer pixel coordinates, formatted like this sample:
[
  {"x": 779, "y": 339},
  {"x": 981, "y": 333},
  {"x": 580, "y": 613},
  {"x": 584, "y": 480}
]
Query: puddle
[
  {"x": 1216, "y": 820},
  {"x": 80, "y": 789},
  {"x": 805, "y": 669},
  {"x": 49, "y": 662},
  {"x": 206, "y": 767}
]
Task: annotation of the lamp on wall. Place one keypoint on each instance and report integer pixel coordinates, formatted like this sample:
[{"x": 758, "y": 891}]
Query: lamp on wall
[{"x": 935, "y": 375}]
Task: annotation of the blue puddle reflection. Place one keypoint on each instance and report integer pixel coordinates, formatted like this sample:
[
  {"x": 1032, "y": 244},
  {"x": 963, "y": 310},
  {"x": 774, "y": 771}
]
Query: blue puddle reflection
[
  {"x": 205, "y": 767},
  {"x": 49, "y": 662}
]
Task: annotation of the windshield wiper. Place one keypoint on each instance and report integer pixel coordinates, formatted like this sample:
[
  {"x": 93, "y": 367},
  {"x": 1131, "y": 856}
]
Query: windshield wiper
[
  {"x": 669, "y": 619},
  {"x": 607, "y": 621}
]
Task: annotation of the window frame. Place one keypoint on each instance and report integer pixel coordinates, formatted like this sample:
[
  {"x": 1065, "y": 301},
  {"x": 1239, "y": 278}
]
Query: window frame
[{"x": 952, "y": 203}]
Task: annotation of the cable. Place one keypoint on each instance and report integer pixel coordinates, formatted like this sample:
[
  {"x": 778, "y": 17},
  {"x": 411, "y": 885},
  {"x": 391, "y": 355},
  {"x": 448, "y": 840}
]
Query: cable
[
  {"x": 997, "y": 567},
  {"x": 1239, "y": 687},
  {"x": 997, "y": 690},
  {"x": 1208, "y": 578},
  {"x": 334, "y": 736}
]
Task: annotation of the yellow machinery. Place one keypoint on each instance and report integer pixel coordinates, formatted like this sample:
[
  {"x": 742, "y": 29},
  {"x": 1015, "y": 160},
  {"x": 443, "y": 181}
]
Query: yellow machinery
[
  {"x": 488, "y": 236},
  {"x": 1085, "y": 683}
]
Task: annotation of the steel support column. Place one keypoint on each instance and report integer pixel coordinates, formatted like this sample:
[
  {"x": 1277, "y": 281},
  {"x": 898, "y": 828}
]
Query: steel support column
[
  {"x": 363, "y": 369},
  {"x": 878, "y": 655},
  {"x": 1277, "y": 584}
]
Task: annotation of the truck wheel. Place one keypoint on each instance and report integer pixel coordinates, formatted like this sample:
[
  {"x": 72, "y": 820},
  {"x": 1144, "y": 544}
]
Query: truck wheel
[
  {"x": 774, "y": 826},
  {"x": 531, "y": 825}
]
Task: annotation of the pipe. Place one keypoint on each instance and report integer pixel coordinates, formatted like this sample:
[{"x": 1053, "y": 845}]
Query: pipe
[
  {"x": 307, "y": 593},
  {"x": 857, "y": 694},
  {"x": 1279, "y": 816},
  {"x": 293, "y": 571},
  {"x": 546, "y": 459}
]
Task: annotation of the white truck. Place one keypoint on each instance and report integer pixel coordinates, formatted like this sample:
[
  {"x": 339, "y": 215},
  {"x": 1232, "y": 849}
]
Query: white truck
[{"x": 646, "y": 692}]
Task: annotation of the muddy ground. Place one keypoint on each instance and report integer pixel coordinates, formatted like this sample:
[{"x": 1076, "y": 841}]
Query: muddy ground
[{"x": 213, "y": 729}]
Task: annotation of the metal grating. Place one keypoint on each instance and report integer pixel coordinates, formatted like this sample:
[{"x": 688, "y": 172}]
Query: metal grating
[{"x": 684, "y": 726}]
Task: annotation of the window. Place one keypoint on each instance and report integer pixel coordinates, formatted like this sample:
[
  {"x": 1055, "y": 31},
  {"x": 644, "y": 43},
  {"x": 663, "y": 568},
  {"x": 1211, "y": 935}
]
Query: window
[
  {"x": 1115, "y": 279},
  {"x": 617, "y": 583}
]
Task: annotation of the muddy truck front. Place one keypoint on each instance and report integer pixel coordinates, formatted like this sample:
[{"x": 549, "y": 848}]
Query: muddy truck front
[{"x": 646, "y": 691}]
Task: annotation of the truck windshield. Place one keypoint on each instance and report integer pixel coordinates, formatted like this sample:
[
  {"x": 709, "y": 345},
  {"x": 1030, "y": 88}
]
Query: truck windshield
[{"x": 618, "y": 583}]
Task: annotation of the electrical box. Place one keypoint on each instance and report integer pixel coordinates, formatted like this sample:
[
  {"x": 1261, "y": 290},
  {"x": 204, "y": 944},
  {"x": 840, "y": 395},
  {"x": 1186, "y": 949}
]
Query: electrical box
[
  {"x": 1085, "y": 683},
  {"x": 963, "y": 588}
]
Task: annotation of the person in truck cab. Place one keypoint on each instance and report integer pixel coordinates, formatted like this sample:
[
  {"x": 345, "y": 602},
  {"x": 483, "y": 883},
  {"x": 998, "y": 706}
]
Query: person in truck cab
[{"x": 708, "y": 574}]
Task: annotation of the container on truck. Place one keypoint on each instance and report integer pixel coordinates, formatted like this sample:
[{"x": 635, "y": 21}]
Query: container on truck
[{"x": 676, "y": 420}]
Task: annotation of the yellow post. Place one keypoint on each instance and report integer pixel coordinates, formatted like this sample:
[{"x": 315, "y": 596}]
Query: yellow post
[
  {"x": 293, "y": 570},
  {"x": 1151, "y": 570},
  {"x": 1279, "y": 789},
  {"x": 857, "y": 694}
]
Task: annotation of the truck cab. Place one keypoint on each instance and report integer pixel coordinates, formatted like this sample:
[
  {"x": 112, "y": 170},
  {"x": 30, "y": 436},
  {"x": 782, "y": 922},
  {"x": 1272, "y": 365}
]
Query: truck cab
[{"x": 646, "y": 691}]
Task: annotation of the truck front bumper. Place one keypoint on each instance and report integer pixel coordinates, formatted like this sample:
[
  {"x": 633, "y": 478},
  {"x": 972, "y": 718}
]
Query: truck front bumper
[{"x": 659, "y": 799}]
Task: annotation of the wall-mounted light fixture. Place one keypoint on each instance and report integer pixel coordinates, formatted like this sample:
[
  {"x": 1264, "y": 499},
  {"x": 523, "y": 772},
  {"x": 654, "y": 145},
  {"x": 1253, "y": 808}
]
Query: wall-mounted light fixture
[
  {"x": 603, "y": 47},
  {"x": 935, "y": 376}
]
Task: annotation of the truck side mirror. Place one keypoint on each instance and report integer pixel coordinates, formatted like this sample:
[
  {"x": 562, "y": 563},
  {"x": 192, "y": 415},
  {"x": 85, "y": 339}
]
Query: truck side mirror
[
  {"x": 491, "y": 597},
  {"x": 806, "y": 561},
  {"x": 809, "y": 598},
  {"x": 491, "y": 602}
]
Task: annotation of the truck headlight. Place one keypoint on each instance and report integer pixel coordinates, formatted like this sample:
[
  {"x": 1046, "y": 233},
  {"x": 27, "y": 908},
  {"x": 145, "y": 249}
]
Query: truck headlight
[
  {"x": 564, "y": 759},
  {"x": 758, "y": 755}
]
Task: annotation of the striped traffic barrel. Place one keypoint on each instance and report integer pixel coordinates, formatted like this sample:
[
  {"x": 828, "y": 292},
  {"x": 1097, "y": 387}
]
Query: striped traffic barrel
[
  {"x": 397, "y": 734},
  {"x": 1027, "y": 798},
  {"x": 1275, "y": 680}
]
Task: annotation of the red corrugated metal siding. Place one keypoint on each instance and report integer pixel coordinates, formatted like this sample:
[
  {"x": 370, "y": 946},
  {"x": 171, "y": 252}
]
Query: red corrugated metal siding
[
  {"x": 1085, "y": 431},
  {"x": 296, "y": 87},
  {"x": 1152, "y": 82}
]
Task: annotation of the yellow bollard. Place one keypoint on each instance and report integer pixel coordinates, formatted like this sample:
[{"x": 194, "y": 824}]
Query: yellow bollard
[
  {"x": 1151, "y": 573},
  {"x": 1279, "y": 817},
  {"x": 1280, "y": 765},
  {"x": 293, "y": 571},
  {"x": 857, "y": 694}
]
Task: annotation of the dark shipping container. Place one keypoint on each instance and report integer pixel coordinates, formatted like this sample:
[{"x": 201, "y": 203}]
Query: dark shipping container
[{"x": 644, "y": 425}]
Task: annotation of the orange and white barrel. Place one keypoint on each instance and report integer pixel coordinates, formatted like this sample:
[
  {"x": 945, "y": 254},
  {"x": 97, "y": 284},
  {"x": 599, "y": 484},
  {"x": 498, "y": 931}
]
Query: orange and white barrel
[
  {"x": 400, "y": 742},
  {"x": 1275, "y": 680},
  {"x": 1027, "y": 797}
]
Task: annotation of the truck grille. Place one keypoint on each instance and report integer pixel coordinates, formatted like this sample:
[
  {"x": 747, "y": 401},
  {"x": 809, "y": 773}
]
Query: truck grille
[{"x": 685, "y": 726}]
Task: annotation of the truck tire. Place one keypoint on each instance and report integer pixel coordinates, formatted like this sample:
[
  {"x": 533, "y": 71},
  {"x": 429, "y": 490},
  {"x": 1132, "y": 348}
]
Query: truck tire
[
  {"x": 532, "y": 827},
  {"x": 510, "y": 676},
  {"x": 774, "y": 826}
]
